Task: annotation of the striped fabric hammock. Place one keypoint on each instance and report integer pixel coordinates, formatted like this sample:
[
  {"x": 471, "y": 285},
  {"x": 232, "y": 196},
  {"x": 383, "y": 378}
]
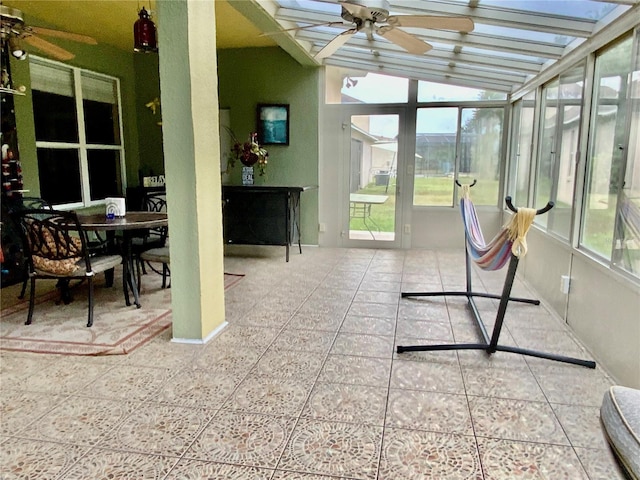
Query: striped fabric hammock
[{"x": 510, "y": 239}]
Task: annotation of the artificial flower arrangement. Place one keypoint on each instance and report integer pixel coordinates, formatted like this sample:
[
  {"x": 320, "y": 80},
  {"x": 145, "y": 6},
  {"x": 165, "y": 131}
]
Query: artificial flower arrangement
[{"x": 250, "y": 153}]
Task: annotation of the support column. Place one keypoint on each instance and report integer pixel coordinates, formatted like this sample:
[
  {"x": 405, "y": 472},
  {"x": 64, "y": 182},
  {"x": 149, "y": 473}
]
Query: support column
[{"x": 189, "y": 96}]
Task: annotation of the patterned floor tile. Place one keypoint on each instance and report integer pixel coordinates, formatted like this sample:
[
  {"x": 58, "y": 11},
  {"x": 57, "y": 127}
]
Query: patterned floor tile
[
  {"x": 289, "y": 364},
  {"x": 379, "y": 286},
  {"x": 431, "y": 330},
  {"x": 270, "y": 395},
  {"x": 368, "y": 325},
  {"x": 331, "y": 448},
  {"x": 191, "y": 387},
  {"x": 287, "y": 475},
  {"x": 414, "y": 454},
  {"x": 503, "y": 383},
  {"x": 502, "y": 460},
  {"x": 423, "y": 311},
  {"x": 435, "y": 377},
  {"x": 515, "y": 420},
  {"x": 363, "y": 345},
  {"x": 373, "y": 310},
  {"x": 133, "y": 382},
  {"x": 587, "y": 386},
  {"x": 318, "y": 341},
  {"x": 198, "y": 470},
  {"x": 18, "y": 409},
  {"x": 80, "y": 420},
  {"x": 107, "y": 464},
  {"x": 22, "y": 459},
  {"x": 601, "y": 464},
  {"x": 367, "y": 296},
  {"x": 243, "y": 439},
  {"x": 347, "y": 403},
  {"x": 582, "y": 425},
  {"x": 356, "y": 370},
  {"x": 158, "y": 429},
  {"x": 234, "y": 361},
  {"x": 63, "y": 377},
  {"x": 435, "y": 412}
]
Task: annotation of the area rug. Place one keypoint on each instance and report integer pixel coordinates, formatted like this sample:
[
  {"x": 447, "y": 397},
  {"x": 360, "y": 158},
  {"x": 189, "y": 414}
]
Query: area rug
[{"x": 61, "y": 329}]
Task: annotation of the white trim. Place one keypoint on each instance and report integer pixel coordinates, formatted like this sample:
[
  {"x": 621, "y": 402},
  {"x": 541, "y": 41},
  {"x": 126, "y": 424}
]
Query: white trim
[{"x": 195, "y": 341}]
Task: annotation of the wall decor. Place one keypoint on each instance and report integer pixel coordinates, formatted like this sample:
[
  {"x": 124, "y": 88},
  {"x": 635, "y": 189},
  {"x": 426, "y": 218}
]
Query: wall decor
[{"x": 273, "y": 124}]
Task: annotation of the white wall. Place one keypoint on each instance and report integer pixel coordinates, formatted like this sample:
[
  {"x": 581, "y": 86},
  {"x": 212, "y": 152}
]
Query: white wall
[{"x": 602, "y": 307}]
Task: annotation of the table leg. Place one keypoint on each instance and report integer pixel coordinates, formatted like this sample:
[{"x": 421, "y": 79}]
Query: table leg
[{"x": 129, "y": 272}]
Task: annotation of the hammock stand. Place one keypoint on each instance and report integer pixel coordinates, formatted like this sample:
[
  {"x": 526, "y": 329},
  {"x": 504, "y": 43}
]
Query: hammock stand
[{"x": 490, "y": 342}]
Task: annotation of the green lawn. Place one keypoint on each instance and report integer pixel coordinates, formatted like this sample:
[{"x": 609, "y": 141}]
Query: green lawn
[{"x": 428, "y": 191}]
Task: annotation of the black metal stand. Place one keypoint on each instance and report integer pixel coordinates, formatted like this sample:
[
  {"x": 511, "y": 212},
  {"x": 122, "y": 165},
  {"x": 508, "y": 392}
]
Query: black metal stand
[{"x": 490, "y": 343}]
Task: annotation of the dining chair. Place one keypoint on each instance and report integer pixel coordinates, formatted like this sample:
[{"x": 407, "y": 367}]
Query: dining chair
[
  {"x": 153, "y": 240},
  {"x": 56, "y": 247},
  {"x": 27, "y": 203}
]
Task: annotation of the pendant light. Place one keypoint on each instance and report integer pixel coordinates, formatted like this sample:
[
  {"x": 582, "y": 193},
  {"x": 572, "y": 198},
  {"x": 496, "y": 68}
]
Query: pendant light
[{"x": 144, "y": 33}]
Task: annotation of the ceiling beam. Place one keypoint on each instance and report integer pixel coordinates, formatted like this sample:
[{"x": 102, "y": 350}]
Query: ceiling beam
[{"x": 261, "y": 14}]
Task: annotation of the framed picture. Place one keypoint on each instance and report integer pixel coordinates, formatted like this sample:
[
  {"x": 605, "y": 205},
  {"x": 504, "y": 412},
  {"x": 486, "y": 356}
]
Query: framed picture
[{"x": 273, "y": 124}]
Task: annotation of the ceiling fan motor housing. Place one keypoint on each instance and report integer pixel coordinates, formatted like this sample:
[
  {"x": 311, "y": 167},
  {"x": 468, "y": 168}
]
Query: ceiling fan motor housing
[
  {"x": 357, "y": 11},
  {"x": 11, "y": 22}
]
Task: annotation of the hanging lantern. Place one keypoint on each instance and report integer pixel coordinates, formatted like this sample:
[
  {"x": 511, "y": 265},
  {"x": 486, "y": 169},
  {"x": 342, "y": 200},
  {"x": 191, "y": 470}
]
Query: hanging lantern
[{"x": 144, "y": 33}]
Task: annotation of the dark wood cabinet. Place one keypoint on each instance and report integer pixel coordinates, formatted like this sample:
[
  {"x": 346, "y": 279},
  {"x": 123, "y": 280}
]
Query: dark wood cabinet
[{"x": 262, "y": 215}]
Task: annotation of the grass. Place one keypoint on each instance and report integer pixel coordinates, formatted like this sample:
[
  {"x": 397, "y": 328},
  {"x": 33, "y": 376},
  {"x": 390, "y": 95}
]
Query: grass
[{"x": 428, "y": 191}]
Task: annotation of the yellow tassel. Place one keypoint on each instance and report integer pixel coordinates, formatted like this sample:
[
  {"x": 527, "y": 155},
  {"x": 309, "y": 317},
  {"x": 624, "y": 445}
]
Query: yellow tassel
[{"x": 518, "y": 228}]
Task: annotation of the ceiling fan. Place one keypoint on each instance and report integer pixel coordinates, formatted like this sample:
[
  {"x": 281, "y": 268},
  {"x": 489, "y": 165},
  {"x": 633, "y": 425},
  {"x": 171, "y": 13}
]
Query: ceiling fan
[
  {"x": 372, "y": 16},
  {"x": 13, "y": 31}
]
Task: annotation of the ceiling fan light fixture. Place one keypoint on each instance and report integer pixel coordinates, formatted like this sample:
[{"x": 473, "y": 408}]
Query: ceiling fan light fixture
[{"x": 144, "y": 33}]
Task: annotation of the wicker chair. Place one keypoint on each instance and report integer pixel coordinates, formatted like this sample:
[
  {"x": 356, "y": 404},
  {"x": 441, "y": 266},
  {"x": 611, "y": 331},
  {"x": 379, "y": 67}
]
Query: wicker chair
[{"x": 56, "y": 248}]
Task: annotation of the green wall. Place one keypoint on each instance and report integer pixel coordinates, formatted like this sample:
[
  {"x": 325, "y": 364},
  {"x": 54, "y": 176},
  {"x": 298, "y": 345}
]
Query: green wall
[
  {"x": 97, "y": 58},
  {"x": 149, "y": 132},
  {"x": 249, "y": 76}
]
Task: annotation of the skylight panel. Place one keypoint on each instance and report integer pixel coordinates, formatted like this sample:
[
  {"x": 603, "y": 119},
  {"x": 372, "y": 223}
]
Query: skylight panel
[{"x": 584, "y": 9}]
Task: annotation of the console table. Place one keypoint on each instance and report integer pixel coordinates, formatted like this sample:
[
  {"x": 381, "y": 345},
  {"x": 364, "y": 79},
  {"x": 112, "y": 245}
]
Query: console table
[{"x": 262, "y": 215}]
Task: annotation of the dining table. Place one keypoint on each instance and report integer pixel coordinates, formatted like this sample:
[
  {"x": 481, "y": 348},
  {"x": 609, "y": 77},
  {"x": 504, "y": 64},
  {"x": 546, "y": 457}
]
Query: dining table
[{"x": 127, "y": 225}]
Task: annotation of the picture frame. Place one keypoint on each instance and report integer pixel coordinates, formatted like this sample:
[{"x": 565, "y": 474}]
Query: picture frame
[{"x": 273, "y": 124}]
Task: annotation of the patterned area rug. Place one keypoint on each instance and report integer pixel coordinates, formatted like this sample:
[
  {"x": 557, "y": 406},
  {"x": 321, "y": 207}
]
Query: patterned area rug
[{"x": 58, "y": 328}]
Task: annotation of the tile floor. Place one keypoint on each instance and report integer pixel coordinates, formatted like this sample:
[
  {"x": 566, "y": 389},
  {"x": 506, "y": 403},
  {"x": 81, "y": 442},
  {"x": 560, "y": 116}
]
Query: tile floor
[{"x": 304, "y": 384}]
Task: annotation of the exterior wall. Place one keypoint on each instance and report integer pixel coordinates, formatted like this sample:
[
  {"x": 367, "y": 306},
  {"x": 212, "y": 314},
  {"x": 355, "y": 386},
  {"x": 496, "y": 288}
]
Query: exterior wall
[{"x": 249, "y": 76}]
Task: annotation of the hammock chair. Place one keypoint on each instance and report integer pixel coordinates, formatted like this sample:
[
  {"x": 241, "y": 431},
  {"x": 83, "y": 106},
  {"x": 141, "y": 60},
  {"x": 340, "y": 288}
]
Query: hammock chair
[{"x": 508, "y": 246}]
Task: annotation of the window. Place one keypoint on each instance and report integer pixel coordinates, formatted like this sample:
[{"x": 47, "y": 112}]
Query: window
[
  {"x": 612, "y": 171},
  {"x": 522, "y": 139},
  {"x": 448, "y": 148},
  {"x": 558, "y": 147},
  {"x": 78, "y": 134}
]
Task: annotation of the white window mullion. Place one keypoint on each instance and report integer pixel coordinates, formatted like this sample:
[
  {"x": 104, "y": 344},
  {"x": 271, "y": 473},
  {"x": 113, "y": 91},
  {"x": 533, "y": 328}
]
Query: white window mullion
[
  {"x": 82, "y": 137},
  {"x": 123, "y": 168}
]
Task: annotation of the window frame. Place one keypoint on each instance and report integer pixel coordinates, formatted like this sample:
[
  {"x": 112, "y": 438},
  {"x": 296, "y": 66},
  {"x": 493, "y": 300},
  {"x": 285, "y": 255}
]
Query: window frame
[{"x": 82, "y": 146}]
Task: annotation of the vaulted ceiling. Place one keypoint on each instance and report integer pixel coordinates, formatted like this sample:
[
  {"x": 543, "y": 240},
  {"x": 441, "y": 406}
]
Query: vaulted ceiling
[{"x": 512, "y": 40}]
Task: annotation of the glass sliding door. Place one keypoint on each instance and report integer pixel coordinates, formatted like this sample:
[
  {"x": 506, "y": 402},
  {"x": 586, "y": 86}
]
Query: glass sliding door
[{"x": 372, "y": 179}]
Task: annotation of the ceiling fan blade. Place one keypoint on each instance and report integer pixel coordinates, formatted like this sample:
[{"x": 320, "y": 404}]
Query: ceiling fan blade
[
  {"x": 410, "y": 43},
  {"x": 328, "y": 24},
  {"x": 462, "y": 24},
  {"x": 76, "y": 37},
  {"x": 48, "y": 47},
  {"x": 337, "y": 42}
]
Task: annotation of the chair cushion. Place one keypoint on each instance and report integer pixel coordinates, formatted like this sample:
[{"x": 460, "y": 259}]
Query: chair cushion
[
  {"x": 160, "y": 255},
  {"x": 63, "y": 268},
  {"x": 620, "y": 416}
]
